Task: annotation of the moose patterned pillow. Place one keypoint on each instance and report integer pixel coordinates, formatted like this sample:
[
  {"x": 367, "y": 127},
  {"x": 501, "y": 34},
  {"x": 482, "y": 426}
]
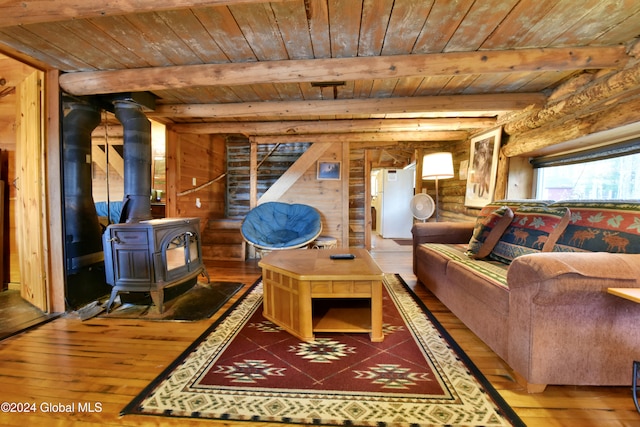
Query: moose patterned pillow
[
  {"x": 601, "y": 226},
  {"x": 533, "y": 229}
]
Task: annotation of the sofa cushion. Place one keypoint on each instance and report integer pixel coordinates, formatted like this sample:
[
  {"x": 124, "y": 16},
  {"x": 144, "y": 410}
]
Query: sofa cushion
[
  {"x": 490, "y": 225},
  {"x": 601, "y": 226},
  {"x": 533, "y": 229},
  {"x": 491, "y": 271}
]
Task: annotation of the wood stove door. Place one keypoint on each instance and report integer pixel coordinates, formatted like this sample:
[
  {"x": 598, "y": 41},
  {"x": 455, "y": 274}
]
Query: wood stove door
[{"x": 128, "y": 261}]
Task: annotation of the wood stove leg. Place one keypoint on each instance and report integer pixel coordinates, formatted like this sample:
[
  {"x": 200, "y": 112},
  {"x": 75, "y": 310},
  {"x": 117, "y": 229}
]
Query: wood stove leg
[
  {"x": 205, "y": 273},
  {"x": 114, "y": 294},
  {"x": 158, "y": 299}
]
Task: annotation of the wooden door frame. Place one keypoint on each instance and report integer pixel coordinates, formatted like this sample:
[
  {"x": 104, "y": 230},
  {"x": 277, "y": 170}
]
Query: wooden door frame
[{"x": 55, "y": 265}]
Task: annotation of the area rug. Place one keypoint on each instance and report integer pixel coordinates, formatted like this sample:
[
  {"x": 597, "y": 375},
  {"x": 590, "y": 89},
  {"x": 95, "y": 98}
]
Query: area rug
[
  {"x": 199, "y": 302},
  {"x": 246, "y": 368}
]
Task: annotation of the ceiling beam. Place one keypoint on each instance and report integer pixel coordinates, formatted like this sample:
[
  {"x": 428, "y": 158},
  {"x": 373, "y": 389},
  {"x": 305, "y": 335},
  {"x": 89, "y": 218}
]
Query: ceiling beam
[
  {"x": 24, "y": 12},
  {"x": 343, "y": 69},
  {"x": 335, "y": 126},
  {"x": 483, "y": 105},
  {"x": 457, "y": 135}
]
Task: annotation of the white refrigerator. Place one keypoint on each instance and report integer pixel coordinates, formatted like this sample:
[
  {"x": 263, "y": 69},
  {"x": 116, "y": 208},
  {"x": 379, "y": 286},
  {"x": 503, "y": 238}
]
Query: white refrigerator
[{"x": 395, "y": 190}]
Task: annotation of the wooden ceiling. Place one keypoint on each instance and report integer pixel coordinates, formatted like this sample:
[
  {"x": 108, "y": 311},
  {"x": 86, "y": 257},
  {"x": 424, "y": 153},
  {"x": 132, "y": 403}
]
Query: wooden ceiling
[{"x": 378, "y": 70}]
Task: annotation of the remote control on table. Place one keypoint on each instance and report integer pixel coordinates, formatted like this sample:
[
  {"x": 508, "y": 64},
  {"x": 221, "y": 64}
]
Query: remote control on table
[{"x": 342, "y": 256}]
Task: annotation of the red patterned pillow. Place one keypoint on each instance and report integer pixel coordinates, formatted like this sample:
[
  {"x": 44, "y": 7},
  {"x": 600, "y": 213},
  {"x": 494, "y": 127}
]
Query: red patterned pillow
[
  {"x": 532, "y": 230},
  {"x": 490, "y": 225}
]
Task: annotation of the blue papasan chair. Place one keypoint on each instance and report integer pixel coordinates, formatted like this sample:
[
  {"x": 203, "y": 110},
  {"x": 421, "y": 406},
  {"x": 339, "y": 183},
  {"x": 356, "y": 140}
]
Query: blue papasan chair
[{"x": 276, "y": 226}]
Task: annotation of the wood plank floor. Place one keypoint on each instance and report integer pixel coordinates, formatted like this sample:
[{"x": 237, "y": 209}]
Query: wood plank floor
[{"x": 102, "y": 364}]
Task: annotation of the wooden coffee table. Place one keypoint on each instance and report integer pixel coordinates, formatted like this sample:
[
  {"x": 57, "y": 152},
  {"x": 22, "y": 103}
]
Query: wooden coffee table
[{"x": 305, "y": 291}]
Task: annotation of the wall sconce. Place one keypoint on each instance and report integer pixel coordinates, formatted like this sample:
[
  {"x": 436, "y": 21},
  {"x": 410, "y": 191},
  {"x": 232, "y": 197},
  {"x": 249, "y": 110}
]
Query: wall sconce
[{"x": 437, "y": 166}]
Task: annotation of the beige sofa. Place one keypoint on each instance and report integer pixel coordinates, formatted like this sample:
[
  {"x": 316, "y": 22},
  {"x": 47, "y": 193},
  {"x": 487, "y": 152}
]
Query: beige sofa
[{"x": 546, "y": 312}]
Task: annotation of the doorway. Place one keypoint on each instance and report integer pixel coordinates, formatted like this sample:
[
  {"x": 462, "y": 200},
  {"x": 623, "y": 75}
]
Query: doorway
[{"x": 23, "y": 289}]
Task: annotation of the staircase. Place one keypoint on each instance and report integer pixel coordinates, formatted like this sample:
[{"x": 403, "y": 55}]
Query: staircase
[
  {"x": 273, "y": 161},
  {"x": 222, "y": 241}
]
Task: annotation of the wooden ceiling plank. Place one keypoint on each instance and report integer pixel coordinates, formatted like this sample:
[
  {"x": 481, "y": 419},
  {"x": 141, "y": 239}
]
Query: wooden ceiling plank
[
  {"x": 431, "y": 85},
  {"x": 70, "y": 36},
  {"x": 516, "y": 24},
  {"x": 294, "y": 28},
  {"x": 444, "y": 19},
  {"x": 22, "y": 40},
  {"x": 125, "y": 34},
  {"x": 186, "y": 26},
  {"x": 223, "y": 29},
  {"x": 373, "y": 26},
  {"x": 460, "y": 105},
  {"x": 344, "y": 26},
  {"x": 262, "y": 91},
  {"x": 458, "y": 84},
  {"x": 597, "y": 22},
  {"x": 545, "y": 31},
  {"x": 340, "y": 69},
  {"x": 103, "y": 40},
  {"x": 335, "y": 126},
  {"x": 383, "y": 88},
  {"x": 25, "y": 12},
  {"x": 478, "y": 24},
  {"x": 407, "y": 20},
  {"x": 318, "y": 18},
  {"x": 157, "y": 34},
  {"x": 622, "y": 31},
  {"x": 407, "y": 86},
  {"x": 259, "y": 27}
]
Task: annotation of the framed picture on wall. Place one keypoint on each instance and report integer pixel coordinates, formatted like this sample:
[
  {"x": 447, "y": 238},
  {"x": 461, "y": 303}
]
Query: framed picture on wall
[
  {"x": 329, "y": 170},
  {"x": 483, "y": 168}
]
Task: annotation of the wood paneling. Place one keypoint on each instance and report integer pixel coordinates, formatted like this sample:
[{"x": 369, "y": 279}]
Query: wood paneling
[
  {"x": 200, "y": 157},
  {"x": 327, "y": 196}
]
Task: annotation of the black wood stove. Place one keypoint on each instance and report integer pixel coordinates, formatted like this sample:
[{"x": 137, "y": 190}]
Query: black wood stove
[{"x": 148, "y": 256}]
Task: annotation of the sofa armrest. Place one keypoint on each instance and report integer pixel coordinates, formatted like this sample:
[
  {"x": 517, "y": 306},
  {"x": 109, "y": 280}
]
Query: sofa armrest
[
  {"x": 442, "y": 232},
  {"x": 564, "y": 278},
  {"x": 564, "y": 328}
]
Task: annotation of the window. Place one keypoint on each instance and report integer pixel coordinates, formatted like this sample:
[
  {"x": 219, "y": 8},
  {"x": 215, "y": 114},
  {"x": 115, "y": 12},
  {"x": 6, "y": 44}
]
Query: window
[{"x": 608, "y": 178}]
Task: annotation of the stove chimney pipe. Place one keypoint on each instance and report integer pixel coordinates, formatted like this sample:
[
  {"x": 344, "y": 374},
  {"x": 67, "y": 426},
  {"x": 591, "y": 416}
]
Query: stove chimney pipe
[
  {"x": 136, "y": 205},
  {"x": 83, "y": 238}
]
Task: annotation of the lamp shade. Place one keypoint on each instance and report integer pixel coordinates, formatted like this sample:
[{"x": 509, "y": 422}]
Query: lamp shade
[{"x": 437, "y": 166}]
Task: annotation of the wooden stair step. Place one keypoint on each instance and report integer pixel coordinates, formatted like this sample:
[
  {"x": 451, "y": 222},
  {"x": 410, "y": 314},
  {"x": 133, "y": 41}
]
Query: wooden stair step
[{"x": 222, "y": 240}]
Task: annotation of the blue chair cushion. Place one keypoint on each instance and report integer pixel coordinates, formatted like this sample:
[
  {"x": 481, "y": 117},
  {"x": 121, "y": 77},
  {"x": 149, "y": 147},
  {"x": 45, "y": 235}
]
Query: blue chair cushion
[
  {"x": 277, "y": 225},
  {"x": 113, "y": 210}
]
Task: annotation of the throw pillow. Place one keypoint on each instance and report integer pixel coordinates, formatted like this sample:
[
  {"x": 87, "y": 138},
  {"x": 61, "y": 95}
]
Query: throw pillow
[
  {"x": 490, "y": 225},
  {"x": 601, "y": 226},
  {"x": 532, "y": 230}
]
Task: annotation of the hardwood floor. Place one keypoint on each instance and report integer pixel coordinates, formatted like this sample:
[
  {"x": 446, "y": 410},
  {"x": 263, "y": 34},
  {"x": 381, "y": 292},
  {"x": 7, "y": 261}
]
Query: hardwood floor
[{"x": 101, "y": 364}]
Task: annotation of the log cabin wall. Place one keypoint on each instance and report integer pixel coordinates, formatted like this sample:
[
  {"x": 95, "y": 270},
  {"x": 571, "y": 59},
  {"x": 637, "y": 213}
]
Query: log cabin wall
[{"x": 359, "y": 192}]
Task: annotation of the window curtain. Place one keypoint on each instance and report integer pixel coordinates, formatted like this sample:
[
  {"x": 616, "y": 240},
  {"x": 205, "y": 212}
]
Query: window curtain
[{"x": 631, "y": 146}]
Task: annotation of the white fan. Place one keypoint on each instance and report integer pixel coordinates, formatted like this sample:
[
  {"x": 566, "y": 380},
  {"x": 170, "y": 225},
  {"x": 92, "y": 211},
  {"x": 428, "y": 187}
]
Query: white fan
[{"x": 422, "y": 206}]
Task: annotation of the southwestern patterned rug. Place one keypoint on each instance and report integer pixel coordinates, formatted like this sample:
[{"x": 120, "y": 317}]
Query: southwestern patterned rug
[{"x": 246, "y": 368}]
